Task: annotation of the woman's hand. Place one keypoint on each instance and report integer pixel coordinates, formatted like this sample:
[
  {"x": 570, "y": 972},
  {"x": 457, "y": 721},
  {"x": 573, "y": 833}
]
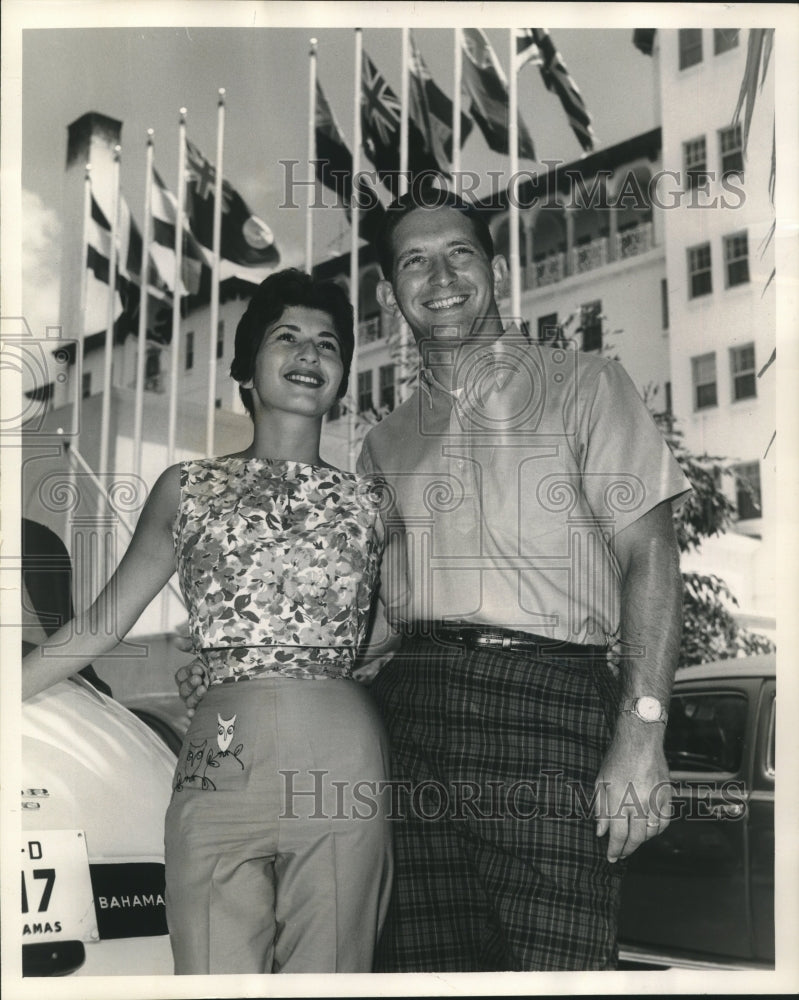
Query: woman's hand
[{"x": 367, "y": 672}]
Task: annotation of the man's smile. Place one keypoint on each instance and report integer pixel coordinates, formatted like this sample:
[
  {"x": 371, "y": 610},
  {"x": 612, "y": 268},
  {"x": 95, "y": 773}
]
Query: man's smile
[{"x": 450, "y": 302}]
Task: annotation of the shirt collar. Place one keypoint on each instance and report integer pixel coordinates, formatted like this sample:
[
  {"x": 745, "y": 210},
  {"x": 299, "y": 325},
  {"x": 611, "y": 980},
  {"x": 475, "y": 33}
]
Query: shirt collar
[{"x": 429, "y": 384}]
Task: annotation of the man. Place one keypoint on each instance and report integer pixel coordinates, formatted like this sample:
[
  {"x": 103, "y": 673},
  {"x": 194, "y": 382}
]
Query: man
[{"x": 528, "y": 516}]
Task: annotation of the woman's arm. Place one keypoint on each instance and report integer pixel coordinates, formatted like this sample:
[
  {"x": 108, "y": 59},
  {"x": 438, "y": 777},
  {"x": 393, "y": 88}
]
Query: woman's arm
[{"x": 145, "y": 568}]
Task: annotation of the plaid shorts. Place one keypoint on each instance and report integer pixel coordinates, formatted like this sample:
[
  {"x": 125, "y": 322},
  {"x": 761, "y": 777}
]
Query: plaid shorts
[{"x": 497, "y": 863}]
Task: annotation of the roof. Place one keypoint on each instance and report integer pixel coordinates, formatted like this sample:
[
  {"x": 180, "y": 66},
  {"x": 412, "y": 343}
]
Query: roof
[{"x": 762, "y": 665}]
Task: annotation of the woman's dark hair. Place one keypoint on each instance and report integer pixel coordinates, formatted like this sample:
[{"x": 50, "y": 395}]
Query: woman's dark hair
[
  {"x": 281, "y": 290},
  {"x": 423, "y": 195}
]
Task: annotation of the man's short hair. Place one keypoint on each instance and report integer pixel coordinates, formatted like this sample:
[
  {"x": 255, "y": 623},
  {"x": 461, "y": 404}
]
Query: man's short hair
[{"x": 426, "y": 195}]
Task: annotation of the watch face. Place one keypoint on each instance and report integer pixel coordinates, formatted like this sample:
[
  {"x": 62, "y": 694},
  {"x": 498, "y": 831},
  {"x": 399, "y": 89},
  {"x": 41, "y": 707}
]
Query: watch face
[{"x": 648, "y": 708}]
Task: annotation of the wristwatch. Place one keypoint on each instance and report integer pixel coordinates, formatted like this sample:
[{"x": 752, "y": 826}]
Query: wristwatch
[{"x": 647, "y": 709}]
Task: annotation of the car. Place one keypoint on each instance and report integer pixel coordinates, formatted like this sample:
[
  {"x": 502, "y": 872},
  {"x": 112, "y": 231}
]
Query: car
[
  {"x": 701, "y": 895},
  {"x": 96, "y": 783},
  {"x": 164, "y": 713}
]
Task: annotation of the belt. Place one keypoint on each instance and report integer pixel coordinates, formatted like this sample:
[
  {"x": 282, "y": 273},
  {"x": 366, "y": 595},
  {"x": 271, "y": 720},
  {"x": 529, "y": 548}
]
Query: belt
[{"x": 501, "y": 639}]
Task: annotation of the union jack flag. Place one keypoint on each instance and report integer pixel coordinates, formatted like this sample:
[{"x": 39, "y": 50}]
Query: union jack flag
[
  {"x": 380, "y": 124},
  {"x": 558, "y": 79}
]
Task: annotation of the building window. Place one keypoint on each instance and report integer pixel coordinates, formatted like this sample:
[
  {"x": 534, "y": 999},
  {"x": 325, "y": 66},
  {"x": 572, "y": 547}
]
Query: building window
[
  {"x": 387, "y": 386},
  {"x": 591, "y": 323},
  {"x": 704, "y": 377},
  {"x": 725, "y": 39},
  {"x": 700, "y": 280},
  {"x": 365, "y": 391},
  {"x": 736, "y": 259},
  {"x": 742, "y": 366},
  {"x": 548, "y": 327},
  {"x": 694, "y": 157},
  {"x": 747, "y": 491},
  {"x": 690, "y": 41},
  {"x": 189, "y": 350},
  {"x": 86, "y": 385},
  {"x": 731, "y": 151},
  {"x": 217, "y": 403},
  {"x": 220, "y": 339},
  {"x": 664, "y": 304}
]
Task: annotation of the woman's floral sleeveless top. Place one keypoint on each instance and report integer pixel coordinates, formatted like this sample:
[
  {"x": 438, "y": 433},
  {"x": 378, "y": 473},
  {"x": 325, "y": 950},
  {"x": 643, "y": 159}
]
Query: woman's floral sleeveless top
[{"x": 277, "y": 563}]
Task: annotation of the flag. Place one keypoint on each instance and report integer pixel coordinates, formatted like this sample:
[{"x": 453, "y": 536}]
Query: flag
[
  {"x": 128, "y": 293},
  {"x": 333, "y": 168},
  {"x": 380, "y": 122},
  {"x": 98, "y": 263},
  {"x": 431, "y": 112},
  {"x": 164, "y": 207},
  {"x": 527, "y": 52},
  {"x": 557, "y": 78},
  {"x": 487, "y": 88},
  {"x": 247, "y": 250}
]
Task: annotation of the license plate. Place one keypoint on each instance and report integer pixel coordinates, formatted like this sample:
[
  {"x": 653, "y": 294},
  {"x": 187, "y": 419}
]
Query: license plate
[{"x": 57, "y": 898}]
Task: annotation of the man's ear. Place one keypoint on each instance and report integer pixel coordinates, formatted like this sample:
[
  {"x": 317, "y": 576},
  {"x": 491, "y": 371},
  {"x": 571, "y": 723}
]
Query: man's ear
[
  {"x": 386, "y": 298},
  {"x": 499, "y": 268}
]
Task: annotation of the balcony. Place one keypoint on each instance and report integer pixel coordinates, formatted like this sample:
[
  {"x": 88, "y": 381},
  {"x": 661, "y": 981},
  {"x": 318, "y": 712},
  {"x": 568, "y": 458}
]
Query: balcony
[
  {"x": 589, "y": 256},
  {"x": 547, "y": 271},
  {"x": 633, "y": 242}
]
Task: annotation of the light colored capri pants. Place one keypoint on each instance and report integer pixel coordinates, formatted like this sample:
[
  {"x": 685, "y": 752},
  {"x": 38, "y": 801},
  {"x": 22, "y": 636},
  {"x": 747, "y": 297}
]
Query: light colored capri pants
[{"x": 278, "y": 853}]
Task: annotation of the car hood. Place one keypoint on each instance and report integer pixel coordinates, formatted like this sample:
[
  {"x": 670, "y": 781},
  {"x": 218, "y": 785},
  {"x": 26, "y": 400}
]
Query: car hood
[{"x": 104, "y": 772}]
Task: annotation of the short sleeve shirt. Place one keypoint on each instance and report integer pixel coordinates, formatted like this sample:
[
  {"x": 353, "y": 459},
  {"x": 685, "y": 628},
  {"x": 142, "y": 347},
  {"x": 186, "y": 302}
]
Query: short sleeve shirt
[{"x": 509, "y": 491}]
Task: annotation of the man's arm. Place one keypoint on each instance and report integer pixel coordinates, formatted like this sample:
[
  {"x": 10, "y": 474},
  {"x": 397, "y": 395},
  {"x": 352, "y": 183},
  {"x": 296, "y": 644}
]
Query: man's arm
[{"x": 633, "y": 779}]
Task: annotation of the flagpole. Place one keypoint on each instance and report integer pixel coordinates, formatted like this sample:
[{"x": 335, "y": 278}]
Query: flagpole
[
  {"x": 177, "y": 294},
  {"x": 78, "y": 398},
  {"x": 356, "y": 166},
  {"x": 144, "y": 301},
  {"x": 404, "y": 332},
  {"x": 404, "y": 83},
  {"x": 456, "y": 109},
  {"x": 513, "y": 211},
  {"x": 215, "y": 275},
  {"x": 311, "y": 154},
  {"x": 105, "y": 417}
]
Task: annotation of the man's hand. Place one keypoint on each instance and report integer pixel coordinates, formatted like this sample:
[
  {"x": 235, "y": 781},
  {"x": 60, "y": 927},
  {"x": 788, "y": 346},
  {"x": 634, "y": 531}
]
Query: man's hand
[
  {"x": 192, "y": 682},
  {"x": 634, "y": 793}
]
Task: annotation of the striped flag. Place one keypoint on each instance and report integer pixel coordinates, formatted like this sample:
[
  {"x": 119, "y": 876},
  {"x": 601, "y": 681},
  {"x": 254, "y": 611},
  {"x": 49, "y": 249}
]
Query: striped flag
[
  {"x": 98, "y": 263},
  {"x": 431, "y": 111},
  {"x": 557, "y": 78},
  {"x": 162, "y": 249},
  {"x": 128, "y": 293},
  {"x": 487, "y": 88}
]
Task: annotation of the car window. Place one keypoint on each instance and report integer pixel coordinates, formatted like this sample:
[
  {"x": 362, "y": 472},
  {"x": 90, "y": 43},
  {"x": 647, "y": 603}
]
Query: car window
[{"x": 705, "y": 731}]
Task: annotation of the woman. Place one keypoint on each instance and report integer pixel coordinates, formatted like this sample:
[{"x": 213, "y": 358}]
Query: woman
[{"x": 277, "y": 849}]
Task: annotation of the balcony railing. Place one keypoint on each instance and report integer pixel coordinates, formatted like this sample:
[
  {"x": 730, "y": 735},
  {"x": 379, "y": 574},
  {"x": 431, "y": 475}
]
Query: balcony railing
[
  {"x": 547, "y": 271},
  {"x": 369, "y": 330},
  {"x": 589, "y": 256},
  {"x": 633, "y": 242}
]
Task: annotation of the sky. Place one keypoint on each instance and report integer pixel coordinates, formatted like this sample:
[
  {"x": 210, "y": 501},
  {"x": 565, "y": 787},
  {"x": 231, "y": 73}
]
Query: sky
[{"x": 143, "y": 74}]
